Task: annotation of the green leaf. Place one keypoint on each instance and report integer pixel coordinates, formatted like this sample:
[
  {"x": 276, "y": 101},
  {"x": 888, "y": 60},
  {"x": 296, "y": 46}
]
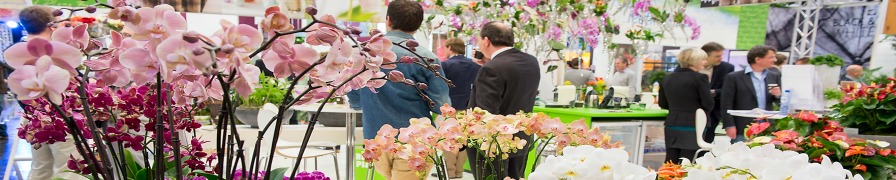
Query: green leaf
[
  {"x": 131, "y": 164},
  {"x": 815, "y": 153},
  {"x": 870, "y": 103},
  {"x": 886, "y": 116},
  {"x": 143, "y": 174},
  {"x": 556, "y": 45},
  {"x": 551, "y": 68},
  {"x": 834, "y": 147},
  {"x": 491, "y": 177},
  {"x": 278, "y": 173}
]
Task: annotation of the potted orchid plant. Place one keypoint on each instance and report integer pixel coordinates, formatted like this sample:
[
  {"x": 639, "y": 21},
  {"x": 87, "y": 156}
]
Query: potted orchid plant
[{"x": 137, "y": 95}]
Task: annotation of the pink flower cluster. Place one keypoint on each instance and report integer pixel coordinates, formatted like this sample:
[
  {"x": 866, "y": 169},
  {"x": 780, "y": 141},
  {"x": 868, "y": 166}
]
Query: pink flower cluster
[
  {"x": 641, "y": 7},
  {"x": 691, "y": 23},
  {"x": 491, "y": 134}
]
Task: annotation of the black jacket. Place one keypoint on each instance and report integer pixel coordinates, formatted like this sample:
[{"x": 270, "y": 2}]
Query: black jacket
[
  {"x": 508, "y": 84},
  {"x": 738, "y": 94},
  {"x": 682, "y": 93},
  {"x": 718, "y": 78},
  {"x": 461, "y": 71}
]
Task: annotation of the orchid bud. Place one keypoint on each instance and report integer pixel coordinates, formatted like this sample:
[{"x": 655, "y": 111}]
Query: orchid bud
[
  {"x": 227, "y": 49},
  {"x": 311, "y": 10},
  {"x": 191, "y": 37},
  {"x": 354, "y": 30},
  {"x": 422, "y": 86},
  {"x": 435, "y": 66},
  {"x": 90, "y": 9},
  {"x": 408, "y": 59},
  {"x": 396, "y": 76},
  {"x": 374, "y": 32},
  {"x": 198, "y": 51},
  {"x": 412, "y": 44},
  {"x": 430, "y": 60},
  {"x": 365, "y": 49},
  {"x": 57, "y": 12}
]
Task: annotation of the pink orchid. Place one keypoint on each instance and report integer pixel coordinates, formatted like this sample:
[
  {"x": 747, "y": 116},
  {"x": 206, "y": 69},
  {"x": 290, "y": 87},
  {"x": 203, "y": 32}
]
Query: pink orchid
[
  {"x": 507, "y": 129},
  {"x": 275, "y": 21},
  {"x": 286, "y": 58},
  {"x": 376, "y": 83},
  {"x": 382, "y": 47},
  {"x": 578, "y": 127},
  {"x": 157, "y": 22},
  {"x": 417, "y": 163},
  {"x": 563, "y": 140},
  {"x": 340, "y": 54},
  {"x": 73, "y": 36},
  {"x": 324, "y": 36},
  {"x": 142, "y": 64},
  {"x": 553, "y": 126},
  {"x": 179, "y": 56},
  {"x": 60, "y": 54},
  {"x": 242, "y": 37},
  {"x": 447, "y": 110},
  {"x": 34, "y": 81},
  {"x": 387, "y": 130},
  {"x": 195, "y": 89},
  {"x": 594, "y": 137},
  {"x": 247, "y": 80},
  {"x": 108, "y": 68}
]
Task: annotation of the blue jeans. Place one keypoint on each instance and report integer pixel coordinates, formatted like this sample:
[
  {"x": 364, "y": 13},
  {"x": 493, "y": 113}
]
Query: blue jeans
[{"x": 739, "y": 138}]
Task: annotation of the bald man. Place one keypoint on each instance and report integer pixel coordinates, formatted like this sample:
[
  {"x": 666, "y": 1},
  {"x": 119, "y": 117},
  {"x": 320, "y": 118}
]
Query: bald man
[{"x": 853, "y": 73}]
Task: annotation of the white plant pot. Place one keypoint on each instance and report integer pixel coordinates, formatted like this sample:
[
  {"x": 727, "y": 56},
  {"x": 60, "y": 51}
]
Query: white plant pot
[{"x": 829, "y": 76}]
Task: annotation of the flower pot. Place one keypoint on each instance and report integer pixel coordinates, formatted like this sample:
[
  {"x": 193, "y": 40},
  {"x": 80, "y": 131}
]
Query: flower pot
[
  {"x": 829, "y": 76},
  {"x": 249, "y": 116}
]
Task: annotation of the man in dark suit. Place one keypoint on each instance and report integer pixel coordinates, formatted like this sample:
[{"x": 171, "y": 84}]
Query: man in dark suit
[
  {"x": 749, "y": 89},
  {"x": 507, "y": 84},
  {"x": 716, "y": 70},
  {"x": 461, "y": 70}
]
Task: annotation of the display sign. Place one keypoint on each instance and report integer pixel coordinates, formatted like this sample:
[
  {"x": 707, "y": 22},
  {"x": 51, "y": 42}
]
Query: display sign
[{"x": 890, "y": 23}]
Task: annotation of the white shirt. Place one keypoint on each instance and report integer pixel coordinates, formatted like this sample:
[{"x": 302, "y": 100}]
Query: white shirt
[{"x": 499, "y": 51}]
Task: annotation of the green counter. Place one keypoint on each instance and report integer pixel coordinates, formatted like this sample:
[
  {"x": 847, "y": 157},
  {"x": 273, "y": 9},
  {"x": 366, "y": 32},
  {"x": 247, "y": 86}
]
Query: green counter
[{"x": 568, "y": 115}]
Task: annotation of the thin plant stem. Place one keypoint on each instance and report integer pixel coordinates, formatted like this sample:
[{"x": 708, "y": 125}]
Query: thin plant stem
[
  {"x": 160, "y": 128},
  {"x": 88, "y": 114},
  {"x": 81, "y": 145}
]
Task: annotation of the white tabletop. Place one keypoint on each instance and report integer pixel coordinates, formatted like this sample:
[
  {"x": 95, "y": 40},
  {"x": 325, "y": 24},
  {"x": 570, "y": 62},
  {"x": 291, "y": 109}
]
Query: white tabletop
[
  {"x": 756, "y": 113},
  {"x": 329, "y": 108}
]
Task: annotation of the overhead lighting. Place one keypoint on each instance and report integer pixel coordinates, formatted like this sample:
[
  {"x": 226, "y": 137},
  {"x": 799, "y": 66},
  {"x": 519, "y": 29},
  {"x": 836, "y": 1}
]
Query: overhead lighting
[{"x": 12, "y": 24}]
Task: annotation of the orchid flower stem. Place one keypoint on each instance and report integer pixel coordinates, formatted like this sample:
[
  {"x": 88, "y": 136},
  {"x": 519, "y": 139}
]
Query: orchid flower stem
[
  {"x": 88, "y": 114},
  {"x": 160, "y": 128},
  {"x": 310, "y": 129},
  {"x": 425, "y": 64},
  {"x": 538, "y": 156},
  {"x": 81, "y": 145},
  {"x": 175, "y": 136}
]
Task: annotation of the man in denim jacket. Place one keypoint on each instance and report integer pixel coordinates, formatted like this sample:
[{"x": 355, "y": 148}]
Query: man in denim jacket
[{"x": 394, "y": 103}]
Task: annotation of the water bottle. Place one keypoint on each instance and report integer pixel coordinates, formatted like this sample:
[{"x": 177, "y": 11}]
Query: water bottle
[{"x": 785, "y": 103}]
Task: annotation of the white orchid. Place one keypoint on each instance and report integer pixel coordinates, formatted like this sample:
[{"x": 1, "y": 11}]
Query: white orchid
[
  {"x": 880, "y": 143},
  {"x": 738, "y": 161},
  {"x": 588, "y": 162}
]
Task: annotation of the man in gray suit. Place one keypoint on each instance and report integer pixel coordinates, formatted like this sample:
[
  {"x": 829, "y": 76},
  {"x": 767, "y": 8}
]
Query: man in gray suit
[
  {"x": 505, "y": 85},
  {"x": 749, "y": 89}
]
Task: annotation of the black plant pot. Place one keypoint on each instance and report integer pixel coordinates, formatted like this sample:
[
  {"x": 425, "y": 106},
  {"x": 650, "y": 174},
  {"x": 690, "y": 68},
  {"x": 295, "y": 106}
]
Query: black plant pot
[{"x": 249, "y": 116}]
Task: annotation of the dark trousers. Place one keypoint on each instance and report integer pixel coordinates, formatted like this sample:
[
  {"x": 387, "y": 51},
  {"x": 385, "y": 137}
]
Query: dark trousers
[
  {"x": 675, "y": 154},
  {"x": 514, "y": 166},
  {"x": 709, "y": 135}
]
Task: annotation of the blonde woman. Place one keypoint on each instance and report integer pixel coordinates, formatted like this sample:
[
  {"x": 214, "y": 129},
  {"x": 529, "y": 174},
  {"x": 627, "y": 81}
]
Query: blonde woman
[{"x": 683, "y": 92}]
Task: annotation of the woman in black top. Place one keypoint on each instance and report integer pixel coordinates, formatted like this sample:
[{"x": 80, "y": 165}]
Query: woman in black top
[{"x": 683, "y": 92}]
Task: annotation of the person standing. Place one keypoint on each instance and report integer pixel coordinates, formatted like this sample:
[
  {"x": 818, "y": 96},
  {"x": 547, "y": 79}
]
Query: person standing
[
  {"x": 716, "y": 69},
  {"x": 779, "y": 61},
  {"x": 394, "y": 103},
  {"x": 853, "y": 73},
  {"x": 683, "y": 92},
  {"x": 622, "y": 76},
  {"x": 506, "y": 84},
  {"x": 462, "y": 72},
  {"x": 749, "y": 89},
  {"x": 50, "y": 160},
  {"x": 576, "y": 75}
]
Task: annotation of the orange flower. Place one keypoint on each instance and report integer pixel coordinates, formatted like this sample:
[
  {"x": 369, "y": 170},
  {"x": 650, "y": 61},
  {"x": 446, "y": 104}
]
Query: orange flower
[
  {"x": 860, "y": 150},
  {"x": 861, "y": 167},
  {"x": 885, "y": 152},
  {"x": 670, "y": 171}
]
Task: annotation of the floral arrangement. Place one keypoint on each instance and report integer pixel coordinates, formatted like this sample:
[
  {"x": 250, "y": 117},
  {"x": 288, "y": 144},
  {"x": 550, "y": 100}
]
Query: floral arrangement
[
  {"x": 489, "y": 134},
  {"x": 599, "y": 85},
  {"x": 822, "y": 139},
  {"x": 588, "y": 162},
  {"x": 869, "y": 108},
  {"x": 278, "y": 174},
  {"x": 586, "y": 21},
  {"x": 144, "y": 87},
  {"x": 639, "y": 33},
  {"x": 739, "y": 161}
]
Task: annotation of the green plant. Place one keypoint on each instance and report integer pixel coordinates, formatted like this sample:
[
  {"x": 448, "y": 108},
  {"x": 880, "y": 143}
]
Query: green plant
[
  {"x": 830, "y": 60},
  {"x": 833, "y": 94},
  {"x": 270, "y": 90},
  {"x": 656, "y": 76},
  {"x": 872, "y": 76},
  {"x": 871, "y": 108}
]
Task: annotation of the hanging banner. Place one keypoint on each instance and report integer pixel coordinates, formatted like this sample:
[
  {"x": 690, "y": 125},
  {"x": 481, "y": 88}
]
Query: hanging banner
[
  {"x": 890, "y": 23},
  {"x": 847, "y": 32},
  {"x": 70, "y": 3}
]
